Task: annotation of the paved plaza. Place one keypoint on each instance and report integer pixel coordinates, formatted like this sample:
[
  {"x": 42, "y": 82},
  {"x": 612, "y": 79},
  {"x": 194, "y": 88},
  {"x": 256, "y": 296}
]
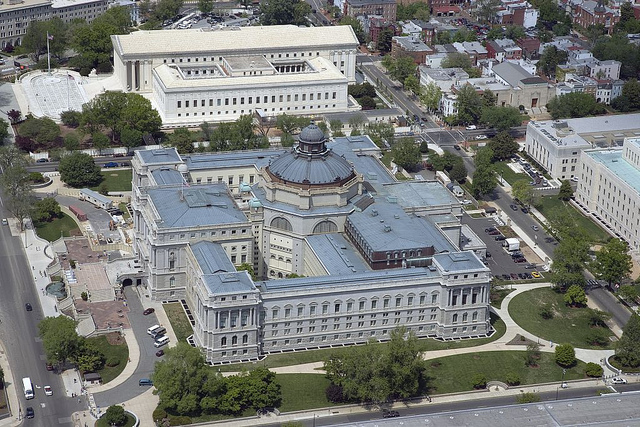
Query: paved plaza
[{"x": 50, "y": 95}]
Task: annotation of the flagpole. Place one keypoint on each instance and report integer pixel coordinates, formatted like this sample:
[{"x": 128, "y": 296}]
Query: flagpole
[{"x": 48, "y": 55}]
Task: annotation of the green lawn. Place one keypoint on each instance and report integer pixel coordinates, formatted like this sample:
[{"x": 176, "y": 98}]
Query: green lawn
[
  {"x": 568, "y": 325},
  {"x": 51, "y": 230},
  {"x": 503, "y": 169},
  {"x": 454, "y": 373},
  {"x": 116, "y": 180},
  {"x": 548, "y": 204},
  {"x": 179, "y": 321},
  {"x": 310, "y": 356},
  {"x": 303, "y": 391},
  {"x": 119, "y": 352},
  {"x": 497, "y": 295}
]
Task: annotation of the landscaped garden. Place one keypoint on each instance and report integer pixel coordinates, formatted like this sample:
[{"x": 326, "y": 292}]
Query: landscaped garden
[
  {"x": 544, "y": 313},
  {"x": 51, "y": 230},
  {"x": 116, "y": 354},
  {"x": 548, "y": 204},
  {"x": 179, "y": 321}
]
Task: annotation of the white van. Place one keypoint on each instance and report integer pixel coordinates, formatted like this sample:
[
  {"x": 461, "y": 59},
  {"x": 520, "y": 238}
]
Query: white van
[
  {"x": 152, "y": 329},
  {"x": 28, "y": 388},
  {"x": 163, "y": 340},
  {"x": 158, "y": 332}
]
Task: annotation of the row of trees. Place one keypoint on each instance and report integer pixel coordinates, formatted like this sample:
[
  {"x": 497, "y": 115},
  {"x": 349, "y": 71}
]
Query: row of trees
[
  {"x": 187, "y": 386},
  {"x": 451, "y": 163},
  {"x": 476, "y": 108}
]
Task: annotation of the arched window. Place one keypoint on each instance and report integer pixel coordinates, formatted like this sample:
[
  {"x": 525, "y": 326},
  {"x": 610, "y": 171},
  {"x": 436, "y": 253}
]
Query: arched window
[
  {"x": 172, "y": 260},
  {"x": 281, "y": 224},
  {"x": 234, "y": 340},
  {"x": 464, "y": 318},
  {"x": 223, "y": 341},
  {"x": 325, "y": 227},
  {"x": 455, "y": 318},
  {"x": 474, "y": 316},
  {"x": 245, "y": 339},
  {"x": 172, "y": 282}
]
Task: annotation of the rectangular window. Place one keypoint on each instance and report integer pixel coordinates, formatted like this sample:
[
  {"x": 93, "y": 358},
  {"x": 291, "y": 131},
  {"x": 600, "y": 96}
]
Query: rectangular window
[
  {"x": 325, "y": 309},
  {"x": 386, "y": 303},
  {"x": 179, "y": 104},
  {"x": 349, "y": 306},
  {"x": 398, "y": 302},
  {"x": 186, "y": 104},
  {"x": 374, "y": 304},
  {"x": 361, "y": 306},
  {"x": 312, "y": 310},
  {"x": 336, "y": 308}
]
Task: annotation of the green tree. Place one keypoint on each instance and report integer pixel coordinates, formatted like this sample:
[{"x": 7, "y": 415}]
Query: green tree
[
  {"x": 44, "y": 210},
  {"x": 574, "y": 104},
  {"x": 598, "y": 318},
  {"x": 71, "y": 118},
  {"x": 619, "y": 48},
  {"x": 79, "y": 170},
  {"x": 404, "y": 67},
  {"x": 575, "y": 296},
  {"x": 628, "y": 293},
  {"x": 35, "y": 40},
  {"x": 594, "y": 370},
  {"x": 613, "y": 262},
  {"x": 469, "y": 105},
  {"x": 60, "y": 340},
  {"x": 418, "y": 10},
  {"x": 513, "y": 379},
  {"x": 205, "y": 6},
  {"x": 629, "y": 100},
  {"x": 406, "y": 154},
  {"x": 486, "y": 10},
  {"x": 430, "y": 97},
  {"x": 522, "y": 191},
  {"x": 4, "y": 130},
  {"x": 458, "y": 172},
  {"x": 457, "y": 60},
  {"x": 384, "y": 40},
  {"x": 245, "y": 266},
  {"x": 282, "y": 12},
  {"x": 363, "y": 89},
  {"x": 380, "y": 132},
  {"x": 89, "y": 358},
  {"x": 532, "y": 354},
  {"x": 551, "y": 57},
  {"x": 628, "y": 347},
  {"x": 412, "y": 84},
  {"x": 357, "y": 27},
  {"x": 489, "y": 98},
  {"x": 182, "y": 139},
  {"x": 357, "y": 121},
  {"x": 514, "y": 32},
  {"x": 501, "y": 118},
  {"x": 180, "y": 378},
  {"x": 100, "y": 141},
  {"x": 565, "y": 355},
  {"x": 484, "y": 157},
  {"x": 131, "y": 138},
  {"x": 115, "y": 416},
  {"x": 503, "y": 145},
  {"x": 43, "y": 130},
  {"x": 570, "y": 258},
  {"x": 483, "y": 181},
  {"x": 336, "y": 127},
  {"x": 566, "y": 191}
]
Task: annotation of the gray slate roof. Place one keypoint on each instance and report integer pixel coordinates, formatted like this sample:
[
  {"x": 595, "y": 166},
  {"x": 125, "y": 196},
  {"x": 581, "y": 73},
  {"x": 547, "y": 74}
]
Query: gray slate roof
[
  {"x": 212, "y": 258},
  {"x": 197, "y": 205},
  {"x": 167, "y": 176},
  {"x": 232, "y": 159},
  {"x": 511, "y": 73},
  {"x": 421, "y": 193},
  {"x": 229, "y": 283},
  {"x": 300, "y": 168},
  {"x": 458, "y": 262},
  {"x": 336, "y": 254}
]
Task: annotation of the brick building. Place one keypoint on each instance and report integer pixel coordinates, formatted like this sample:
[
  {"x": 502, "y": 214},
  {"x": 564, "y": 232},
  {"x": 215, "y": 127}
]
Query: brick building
[
  {"x": 385, "y": 8},
  {"x": 592, "y": 13}
]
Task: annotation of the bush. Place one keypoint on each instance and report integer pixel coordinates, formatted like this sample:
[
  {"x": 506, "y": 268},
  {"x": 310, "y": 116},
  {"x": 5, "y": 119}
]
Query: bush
[
  {"x": 115, "y": 416},
  {"x": 36, "y": 177},
  {"x": 597, "y": 337},
  {"x": 512, "y": 379},
  {"x": 546, "y": 312},
  {"x": 479, "y": 381},
  {"x": 112, "y": 361},
  {"x": 334, "y": 393},
  {"x": 159, "y": 414},
  {"x": 71, "y": 118},
  {"x": 528, "y": 398},
  {"x": 594, "y": 370},
  {"x": 84, "y": 295},
  {"x": 175, "y": 420},
  {"x": 565, "y": 355}
]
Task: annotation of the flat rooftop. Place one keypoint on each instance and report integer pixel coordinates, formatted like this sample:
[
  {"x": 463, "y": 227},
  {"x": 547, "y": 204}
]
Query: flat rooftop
[
  {"x": 194, "y": 206},
  {"x": 336, "y": 254},
  {"x": 158, "y": 156},
  {"x": 617, "y": 165},
  {"x": 201, "y": 42},
  {"x": 413, "y": 194},
  {"x": 232, "y": 159}
]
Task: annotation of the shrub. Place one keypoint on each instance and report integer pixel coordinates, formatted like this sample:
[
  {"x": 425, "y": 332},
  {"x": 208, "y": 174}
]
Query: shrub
[
  {"x": 479, "y": 381},
  {"x": 565, "y": 355},
  {"x": 512, "y": 379},
  {"x": 72, "y": 263},
  {"x": 597, "y": 337},
  {"x": 594, "y": 370},
  {"x": 84, "y": 296},
  {"x": 175, "y": 420},
  {"x": 36, "y": 177},
  {"x": 159, "y": 414},
  {"x": 575, "y": 296},
  {"x": 115, "y": 416},
  {"x": 71, "y": 118},
  {"x": 112, "y": 361},
  {"x": 528, "y": 398},
  {"x": 334, "y": 393},
  {"x": 546, "y": 312}
]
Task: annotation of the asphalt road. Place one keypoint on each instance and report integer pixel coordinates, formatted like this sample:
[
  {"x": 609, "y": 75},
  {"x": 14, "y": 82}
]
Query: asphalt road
[
  {"x": 139, "y": 323},
  {"x": 19, "y": 334},
  {"x": 53, "y": 166}
]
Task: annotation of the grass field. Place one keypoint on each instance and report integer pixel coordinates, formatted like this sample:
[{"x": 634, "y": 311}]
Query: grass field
[
  {"x": 116, "y": 180},
  {"x": 310, "y": 356},
  {"x": 51, "y": 230},
  {"x": 119, "y": 352},
  {"x": 179, "y": 321},
  {"x": 549, "y": 204},
  {"x": 454, "y": 373},
  {"x": 303, "y": 391},
  {"x": 568, "y": 325},
  {"x": 508, "y": 174}
]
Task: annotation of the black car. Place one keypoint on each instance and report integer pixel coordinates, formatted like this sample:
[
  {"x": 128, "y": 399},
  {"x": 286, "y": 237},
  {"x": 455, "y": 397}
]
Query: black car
[
  {"x": 457, "y": 147},
  {"x": 488, "y": 255},
  {"x": 490, "y": 229},
  {"x": 390, "y": 414},
  {"x": 160, "y": 353},
  {"x": 148, "y": 311},
  {"x": 28, "y": 307},
  {"x": 522, "y": 276},
  {"x": 499, "y": 238},
  {"x": 529, "y": 276},
  {"x": 506, "y": 277},
  {"x": 524, "y": 210},
  {"x": 28, "y": 413},
  {"x": 519, "y": 260}
]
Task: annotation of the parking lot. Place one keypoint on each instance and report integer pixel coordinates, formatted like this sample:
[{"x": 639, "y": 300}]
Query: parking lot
[{"x": 500, "y": 262}]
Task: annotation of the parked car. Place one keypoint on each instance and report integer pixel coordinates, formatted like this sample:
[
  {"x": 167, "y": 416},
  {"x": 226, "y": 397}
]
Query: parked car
[
  {"x": 28, "y": 413},
  {"x": 524, "y": 210},
  {"x": 514, "y": 276},
  {"x": 111, "y": 165},
  {"x": 500, "y": 238},
  {"x": 488, "y": 254},
  {"x": 457, "y": 147},
  {"x": 486, "y": 230},
  {"x": 49, "y": 367},
  {"x": 4, "y": 221},
  {"x": 522, "y": 276},
  {"x": 618, "y": 380},
  {"x": 390, "y": 414},
  {"x": 481, "y": 137},
  {"x": 494, "y": 233},
  {"x": 519, "y": 260},
  {"x": 42, "y": 160},
  {"x": 530, "y": 266},
  {"x": 160, "y": 353},
  {"x": 28, "y": 307},
  {"x": 506, "y": 277},
  {"x": 535, "y": 228},
  {"x": 48, "y": 391},
  {"x": 471, "y": 127},
  {"x": 536, "y": 275},
  {"x": 529, "y": 276},
  {"x": 514, "y": 207},
  {"x": 148, "y": 311}
]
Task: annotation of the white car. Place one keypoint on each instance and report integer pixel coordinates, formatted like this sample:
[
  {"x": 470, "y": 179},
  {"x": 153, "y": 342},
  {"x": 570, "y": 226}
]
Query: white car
[
  {"x": 4, "y": 221},
  {"x": 471, "y": 127},
  {"x": 618, "y": 380},
  {"x": 481, "y": 137},
  {"x": 48, "y": 391}
]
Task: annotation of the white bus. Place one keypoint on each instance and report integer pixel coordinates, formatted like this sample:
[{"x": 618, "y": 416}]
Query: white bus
[{"x": 28, "y": 388}]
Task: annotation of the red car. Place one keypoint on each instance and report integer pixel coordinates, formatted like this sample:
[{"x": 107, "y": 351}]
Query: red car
[
  {"x": 160, "y": 353},
  {"x": 49, "y": 367}
]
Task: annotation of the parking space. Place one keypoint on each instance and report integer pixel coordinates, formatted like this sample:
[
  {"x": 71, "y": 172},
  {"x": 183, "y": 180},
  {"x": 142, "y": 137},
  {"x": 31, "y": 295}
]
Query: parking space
[{"x": 500, "y": 261}]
